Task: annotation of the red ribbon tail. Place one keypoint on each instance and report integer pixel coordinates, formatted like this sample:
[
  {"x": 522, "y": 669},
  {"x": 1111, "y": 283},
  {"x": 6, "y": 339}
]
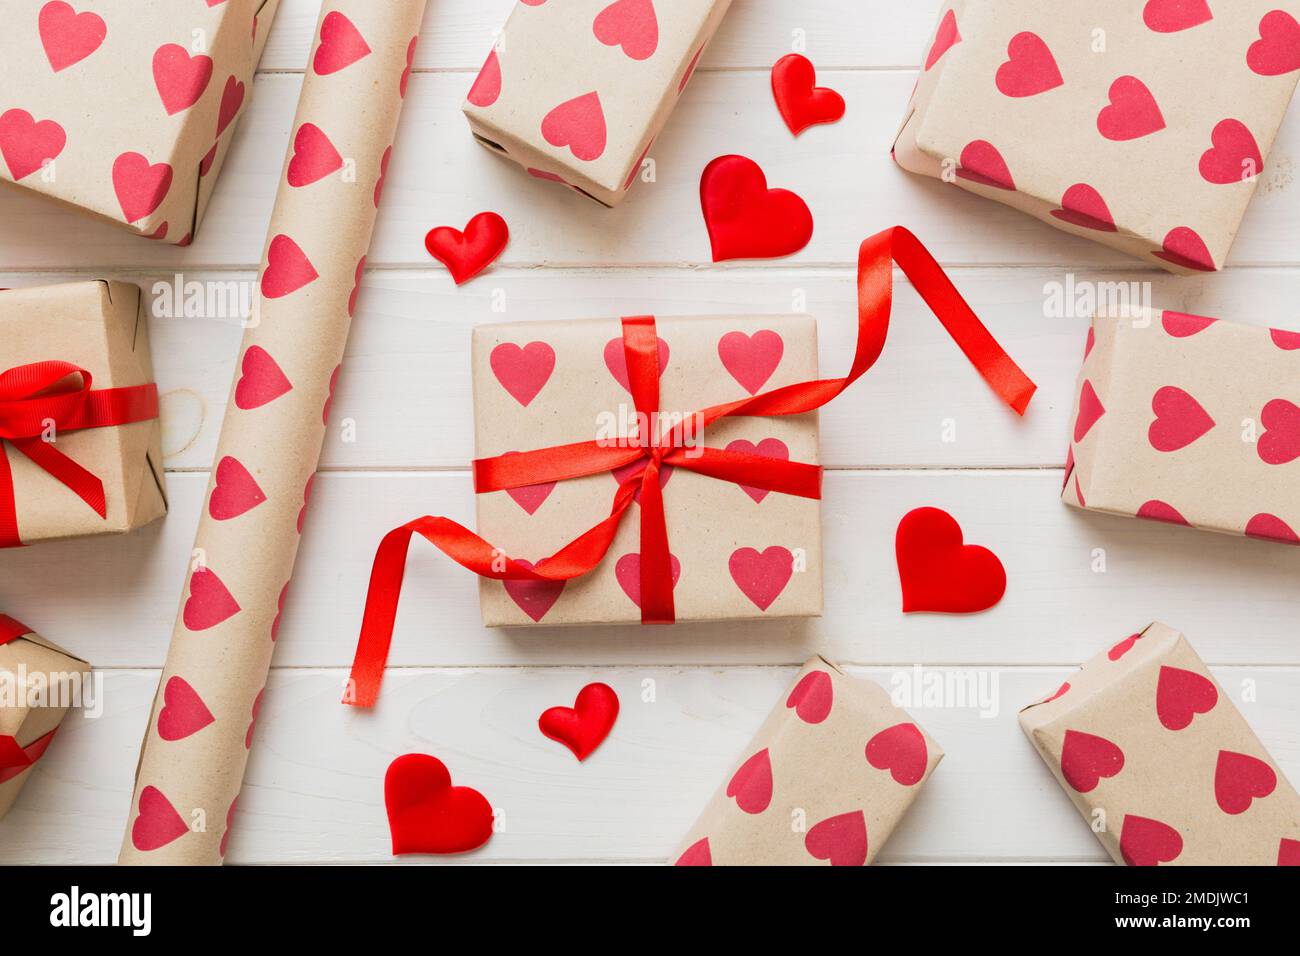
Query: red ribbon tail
[
  {"x": 657, "y": 606},
  {"x": 8, "y": 506}
]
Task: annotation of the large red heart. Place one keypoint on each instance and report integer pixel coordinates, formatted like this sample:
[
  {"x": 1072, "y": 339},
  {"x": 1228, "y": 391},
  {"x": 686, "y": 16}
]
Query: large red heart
[
  {"x": 1086, "y": 760},
  {"x": 523, "y": 372},
  {"x": 761, "y": 576},
  {"x": 751, "y": 784},
  {"x": 1280, "y": 442},
  {"x": 840, "y": 840},
  {"x": 745, "y": 219},
  {"x": 579, "y": 124},
  {"x": 466, "y": 254},
  {"x": 1030, "y": 68},
  {"x": 1133, "y": 112},
  {"x": 767, "y": 448},
  {"x": 945, "y": 38},
  {"x": 487, "y": 85},
  {"x": 210, "y": 602},
  {"x": 1180, "y": 420},
  {"x": 69, "y": 37},
  {"x": 26, "y": 144},
  {"x": 631, "y": 24},
  {"x": 1239, "y": 779},
  {"x": 1146, "y": 842},
  {"x": 902, "y": 751},
  {"x": 287, "y": 268},
  {"x": 426, "y": 814},
  {"x": 1181, "y": 695},
  {"x": 751, "y": 359},
  {"x": 261, "y": 380},
  {"x": 183, "y": 713},
  {"x": 1172, "y": 16},
  {"x": 1277, "y": 51},
  {"x": 812, "y": 697},
  {"x": 534, "y": 598},
  {"x": 179, "y": 77},
  {"x": 941, "y": 573},
  {"x": 236, "y": 491},
  {"x": 140, "y": 187},
  {"x": 801, "y": 102},
  {"x": 584, "y": 726},
  {"x": 1234, "y": 157},
  {"x": 157, "y": 823},
  {"x": 341, "y": 45},
  {"x": 314, "y": 156}
]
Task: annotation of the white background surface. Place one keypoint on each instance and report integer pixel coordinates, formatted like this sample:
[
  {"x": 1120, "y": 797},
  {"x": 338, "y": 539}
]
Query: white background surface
[{"x": 471, "y": 696}]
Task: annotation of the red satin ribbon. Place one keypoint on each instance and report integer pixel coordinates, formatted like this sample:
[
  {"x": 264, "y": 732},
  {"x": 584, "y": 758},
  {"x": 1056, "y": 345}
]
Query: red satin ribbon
[
  {"x": 11, "y": 630},
  {"x": 640, "y": 344},
  {"x": 59, "y": 395}
]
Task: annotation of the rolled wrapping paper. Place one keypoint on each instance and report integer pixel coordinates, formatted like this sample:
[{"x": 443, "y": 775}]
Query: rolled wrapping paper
[{"x": 197, "y": 744}]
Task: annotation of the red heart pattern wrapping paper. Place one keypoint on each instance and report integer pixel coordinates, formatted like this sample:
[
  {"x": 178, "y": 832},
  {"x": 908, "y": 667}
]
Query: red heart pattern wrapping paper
[
  {"x": 1142, "y": 124},
  {"x": 125, "y": 113},
  {"x": 1191, "y": 421},
  {"x": 1161, "y": 763},
  {"x": 191, "y": 767},
  {"x": 576, "y": 91},
  {"x": 825, "y": 781}
]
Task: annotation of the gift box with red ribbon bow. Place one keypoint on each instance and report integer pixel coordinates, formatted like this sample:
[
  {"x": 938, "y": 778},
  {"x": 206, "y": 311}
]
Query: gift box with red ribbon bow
[{"x": 80, "y": 440}]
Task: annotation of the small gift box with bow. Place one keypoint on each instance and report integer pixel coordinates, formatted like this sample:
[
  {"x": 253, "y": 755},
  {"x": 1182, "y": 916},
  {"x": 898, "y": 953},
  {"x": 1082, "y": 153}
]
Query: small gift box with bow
[
  {"x": 1161, "y": 765},
  {"x": 825, "y": 781},
  {"x": 80, "y": 440},
  {"x": 38, "y": 682}
]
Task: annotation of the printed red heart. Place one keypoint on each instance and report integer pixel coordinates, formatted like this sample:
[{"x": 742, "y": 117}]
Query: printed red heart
[
  {"x": 1083, "y": 206},
  {"x": 279, "y": 612},
  {"x": 1092, "y": 341},
  {"x": 631, "y": 24},
  {"x": 751, "y": 785},
  {"x": 1181, "y": 695},
  {"x": 157, "y": 822},
  {"x": 205, "y": 164},
  {"x": 761, "y": 577},
  {"x": 767, "y": 448},
  {"x": 745, "y": 219},
  {"x": 1271, "y": 528},
  {"x": 383, "y": 174},
  {"x": 1172, "y": 16},
  {"x": 616, "y": 361},
  {"x": 801, "y": 102},
  {"x": 981, "y": 163},
  {"x": 1123, "y": 647},
  {"x": 1288, "y": 853},
  {"x": 352, "y": 311},
  {"x": 209, "y": 603},
  {"x": 939, "y": 572},
  {"x": 1186, "y": 249},
  {"x": 236, "y": 492},
  {"x": 1031, "y": 69},
  {"x": 1239, "y": 779},
  {"x": 530, "y": 497},
  {"x": 1162, "y": 511},
  {"x": 812, "y": 697},
  {"x": 1090, "y": 411},
  {"x": 69, "y": 37},
  {"x": 230, "y": 814},
  {"x": 523, "y": 372},
  {"x": 306, "y": 500},
  {"x": 584, "y": 726},
  {"x": 1060, "y": 692},
  {"x": 1145, "y": 842},
  {"x": 944, "y": 40},
  {"x": 410, "y": 65},
  {"x": 697, "y": 854},
  {"x": 628, "y": 573},
  {"x": 690, "y": 71},
  {"x": 252, "y": 723},
  {"x": 534, "y": 598},
  {"x": 140, "y": 187},
  {"x": 179, "y": 77},
  {"x": 314, "y": 156},
  {"x": 466, "y": 254},
  {"x": 840, "y": 841},
  {"x": 183, "y": 713},
  {"x": 1280, "y": 442},
  {"x": 426, "y": 814},
  {"x": 261, "y": 380},
  {"x": 1277, "y": 51},
  {"x": 341, "y": 45},
  {"x": 287, "y": 268},
  {"x": 1180, "y": 420},
  {"x": 579, "y": 124},
  {"x": 232, "y": 98},
  {"x": 1132, "y": 113},
  {"x": 901, "y": 750},
  {"x": 1234, "y": 156},
  {"x": 1181, "y": 325},
  {"x": 27, "y": 145},
  {"x": 487, "y": 85},
  {"x": 751, "y": 359},
  {"x": 1285, "y": 340},
  {"x": 1086, "y": 760}
]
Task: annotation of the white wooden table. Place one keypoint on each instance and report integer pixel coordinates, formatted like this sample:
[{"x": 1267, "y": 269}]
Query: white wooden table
[{"x": 314, "y": 790}]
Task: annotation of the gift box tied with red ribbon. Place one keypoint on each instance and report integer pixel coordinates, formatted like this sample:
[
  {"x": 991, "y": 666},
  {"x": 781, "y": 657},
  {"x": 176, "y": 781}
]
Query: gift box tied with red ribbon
[{"x": 676, "y": 447}]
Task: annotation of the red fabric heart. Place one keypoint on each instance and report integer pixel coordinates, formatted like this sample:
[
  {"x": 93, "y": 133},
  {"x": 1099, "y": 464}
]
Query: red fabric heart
[
  {"x": 179, "y": 77},
  {"x": 1280, "y": 442},
  {"x": 939, "y": 572},
  {"x": 236, "y": 491},
  {"x": 901, "y": 750},
  {"x": 945, "y": 38},
  {"x": 261, "y": 380},
  {"x": 140, "y": 187},
  {"x": 1180, "y": 420},
  {"x": 210, "y": 602},
  {"x": 1239, "y": 780},
  {"x": 1173, "y": 16},
  {"x": 1132, "y": 113},
  {"x": 1030, "y": 68},
  {"x": 584, "y": 726},
  {"x": 745, "y": 219},
  {"x": 800, "y": 100},
  {"x": 1277, "y": 51},
  {"x": 314, "y": 156},
  {"x": 751, "y": 784},
  {"x": 69, "y": 37},
  {"x": 341, "y": 45},
  {"x": 1086, "y": 760},
  {"x": 466, "y": 254},
  {"x": 840, "y": 840},
  {"x": 1145, "y": 842},
  {"x": 1234, "y": 156},
  {"x": 1181, "y": 695},
  {"x": 426, "y": 814},
  {"x": 157, "y": 823},
  {"x": 26, "y": 144},
  {"x": 183, "y": 713}
]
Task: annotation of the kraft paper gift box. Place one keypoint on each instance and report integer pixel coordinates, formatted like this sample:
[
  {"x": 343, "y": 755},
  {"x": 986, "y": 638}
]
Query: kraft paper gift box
[
  {"x": 124, "y": 109},
  {"x": 739, "y": 553},
  {"x": 1161, "y": 764},
  {"x": 826, "y": 780},
  {"x": 1189, "y": 420},
  {"x": 1142, "y": 125},
  {"x": 100, "y": 328},
  {"x": 576, "y": 91},
  {"x": 35, "y": 671}
]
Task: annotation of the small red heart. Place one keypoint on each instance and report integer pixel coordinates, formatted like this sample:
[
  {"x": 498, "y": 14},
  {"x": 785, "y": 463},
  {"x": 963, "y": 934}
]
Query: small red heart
[
  {"x": 1173, "y": 16},
  {"x": 1132, "y": 112},
  {"x": 1277, "y": 51},
  {"x": 902, "y": 751},
  {"x": 236, "y": 491},
  {"x": 1123, "y": 647},
  {"x": 1186, "y": 249},
  {"x": 1280, "y": 442},
  {"x": 1234, "y": 156},
  {"x": 140, "y": 187},
  {"x": 584, "y": 726},
  {"x": 27, "y": 145},
  {"x": 157, "y": 822},
  {"x": 523, "y": 372},
  {"x": 1031, "y": 69},
  {"x": 1181, "y": 325},
  {"x": 1240, "y": 779},
  {"x": 314, "y": 156},
  {"x": 287, "y": 268},
  {"x": 69, "y": 37},
  {"x": 1180, "y": 420},
  {"x": 579, "y": 124},
  {"x": 1086, "y": 760},
  {"x": 426, "y": 814},
  {"x": 261, "y": 380},
  {"x": 210, "y": 603},
  {"x": 982, "y": 163},
  {"x": 751, "y": 359},
  {"x": 745, "y": 219},
  {"x": 1084, "y": 206},
  {"x": 751, "y": 784},
  {"x": 534, "y": 598},
  {"x": 1145, "y": 842},
  {"x": 1162, "y": 511},
  {"x": 341, "y": 45},
  {"x": 630, "y": 24},
  {"x": 1181, "y": 695},
  {"x": 801, "y": 101},
  {"x": 183, "y": 713},
  {"x": 840, "y": 840},
  {"x": 761, "y": 576},
  {"x": 466, "y": 254},
  {"x": 812, "y": 697},
  {"x": 487, "y": 85},
  {"x": 1271, "y": 528},
  {"x": 945, "y": 39},
  {"x": 232, "y": 98},
  {"x": 179, "y": 77},
  {"x": 939, "y": 572},
  {"x": 767, "y": 448},
  {"x": 698, "y": 854}
]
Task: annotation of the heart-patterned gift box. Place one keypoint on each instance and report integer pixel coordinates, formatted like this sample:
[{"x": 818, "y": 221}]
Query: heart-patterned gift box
[
  {"x": 1142, "y": 124},
  {"x": 124, "y": 112},
  {"x": 1191, "y": 421},
  {"x": 575, "y": 91},
  {"x": 1161, "y": 765},
  {"x": 826, "y": 780}
]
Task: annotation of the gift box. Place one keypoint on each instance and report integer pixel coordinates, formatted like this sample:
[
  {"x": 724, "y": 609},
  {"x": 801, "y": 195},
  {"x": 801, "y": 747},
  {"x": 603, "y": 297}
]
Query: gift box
[
  {"x": 1145, "y": 126},
  {"x": 1191, "y": 421},
  {"x": 1161, "y": 764},
  {"x": 826, "y": 780},
  {"x": 80, "y": 440},
  {"x": 576, "y": 91},
  {"x": 125, "y": 112},
  {"x": 37, "y": 681}
]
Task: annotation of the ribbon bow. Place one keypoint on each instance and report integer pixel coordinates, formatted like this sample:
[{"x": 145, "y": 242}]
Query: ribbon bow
[
  {"x": 13, "y": 758},
  {"x": 675, "y": 448},
  {"x": 44, "y": 399}
]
